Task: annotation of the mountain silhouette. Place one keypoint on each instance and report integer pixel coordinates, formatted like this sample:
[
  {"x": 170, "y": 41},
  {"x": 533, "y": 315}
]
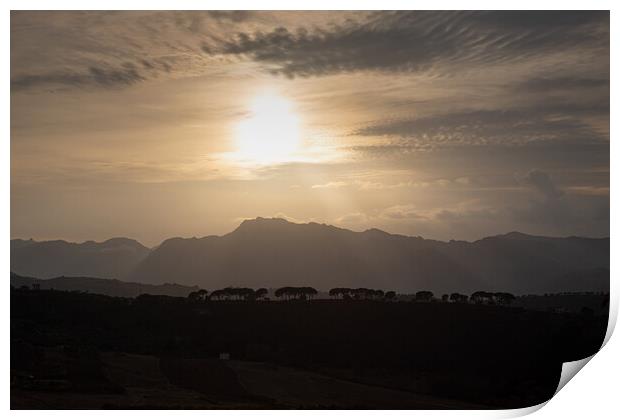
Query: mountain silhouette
[
  {"x": 114, "y": 258},
  {"x": 110, "y": 287},
  {"x": 275, "y": 253}
]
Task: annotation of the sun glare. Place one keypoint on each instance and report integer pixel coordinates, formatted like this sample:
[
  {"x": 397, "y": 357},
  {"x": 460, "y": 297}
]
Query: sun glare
[{"x": 270, "y": 133}]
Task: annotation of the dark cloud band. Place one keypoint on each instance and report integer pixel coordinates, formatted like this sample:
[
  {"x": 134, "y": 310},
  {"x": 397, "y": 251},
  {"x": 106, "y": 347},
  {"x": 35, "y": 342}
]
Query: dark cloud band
[
  {"x": 413, "y": 41},
  {"x": 98, "y": 76}
]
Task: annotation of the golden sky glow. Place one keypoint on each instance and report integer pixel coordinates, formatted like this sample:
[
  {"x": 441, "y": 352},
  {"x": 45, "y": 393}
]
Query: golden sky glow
[
  {"x": 271, "y": 133},
  {"x": 159, "y": 124}
]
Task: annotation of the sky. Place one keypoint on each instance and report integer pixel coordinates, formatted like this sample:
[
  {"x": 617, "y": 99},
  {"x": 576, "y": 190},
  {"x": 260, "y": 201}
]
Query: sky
[{"x": 446, "y": 125}]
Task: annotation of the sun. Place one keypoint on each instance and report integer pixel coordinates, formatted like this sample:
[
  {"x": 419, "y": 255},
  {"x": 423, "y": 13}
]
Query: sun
[{"x": 270, "y": 133}]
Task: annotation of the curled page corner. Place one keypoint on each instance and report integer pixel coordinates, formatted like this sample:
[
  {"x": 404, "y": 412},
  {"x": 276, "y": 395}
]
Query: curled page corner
[
  {"x": 612, "y": 318},
  {"x": 519, "y": 412},
  {"x": 569, "y": 370}
]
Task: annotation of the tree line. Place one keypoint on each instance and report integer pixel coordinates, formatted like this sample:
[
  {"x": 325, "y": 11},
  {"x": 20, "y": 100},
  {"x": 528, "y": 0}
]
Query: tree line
[
  {"x": 229, "y": 293},
  {"x": 361, "y": 293},
  {"x": 476, "y": 297},
  {"x": 248, "y": 294},
  {"x": 345, "y": 293}
]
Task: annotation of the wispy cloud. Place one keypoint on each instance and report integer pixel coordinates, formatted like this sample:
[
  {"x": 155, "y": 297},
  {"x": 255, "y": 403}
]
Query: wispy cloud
[
  {"x": 418, "y": 41},
  {"x": 95, "y": 76},
  {"x": 334, "y": 184},
  {"x": 482, "y": 127}
]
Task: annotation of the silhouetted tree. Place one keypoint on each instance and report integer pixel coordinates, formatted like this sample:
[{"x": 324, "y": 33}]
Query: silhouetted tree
[
  {"x": 284, "y": 292},
  {"x": 338, "y": 292},
  {"x": 230, "y": 293},
  {"x": 504, "y": 298},
  {"x": 445, "y": 298},
  {"x": 358, "y": 293},
  {"x": 198, "y": 295},
  {"x": 245, "y": 293},
  {"x": 424, "y": 296},
  {"x": 261, "y": 293},
  {"x": 481, "y": 297},
  {"x": 363, "y": 293},
  {"x": 390, "y": 295},
  {"x": 224, "y": 294},
  {"x": 217, "y": 294},
  {"x": 301, "y": 293},
  {"x": 309, "y": 292},
  {"x": 458, "y": 298},
  {"x": 238, "y": 293}
]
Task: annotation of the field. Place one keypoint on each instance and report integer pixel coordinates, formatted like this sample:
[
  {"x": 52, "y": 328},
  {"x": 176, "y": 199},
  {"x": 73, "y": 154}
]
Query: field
[
  {"x": 150, "y": 382},
  {"x": 77, "y": 350}
]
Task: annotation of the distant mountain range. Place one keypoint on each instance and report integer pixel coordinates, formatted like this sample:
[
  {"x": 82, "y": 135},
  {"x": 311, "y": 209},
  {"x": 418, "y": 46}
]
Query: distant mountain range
[
  {"x": 108, "y": 287},
  {"x": 274, "y": 252},
  {"x": 114, "y": 258}
]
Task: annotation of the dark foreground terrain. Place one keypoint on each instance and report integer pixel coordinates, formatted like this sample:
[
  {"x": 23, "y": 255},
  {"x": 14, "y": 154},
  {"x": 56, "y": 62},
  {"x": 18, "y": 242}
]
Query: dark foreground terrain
[{"x": 79, "y": 350}]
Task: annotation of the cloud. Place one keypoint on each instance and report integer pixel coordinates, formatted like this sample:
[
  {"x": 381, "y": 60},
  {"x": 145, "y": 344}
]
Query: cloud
[
  {"x": 563, "y": 83},
  {"x": 231, "y": 15},
  {"x": 60, "y": 47},
  {"x": 412, "y": 213},
  {"x": 400, "y": 212},
  {"x": 541, "y": 182},
  {"x": 364, "y": 185},
  {"x": 418, "y": 41},
  {"x": 465, "y": 215},
  {"x": 333, "y": 184},
  {"x": 589, "y": 190},
  {"x": 515, "y": 127},
  {"x": 355, "y": 218},
  {"x": 69, "y": 49},
  {"x": 464, "y": 219},
  {"x": 532, "y": 19},
  {"x": 551, "y": 207},
  {"x": 106, "y": 76},
  {"x": 95, "y": 76}
]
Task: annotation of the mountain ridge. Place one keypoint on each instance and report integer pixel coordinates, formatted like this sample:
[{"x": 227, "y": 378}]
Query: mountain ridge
[
  {"x": 113, "y": 258},
  {"x": 273, "y": 252},
  {"x": 511, "y": 234},
  {"x": 109, "y": 287}
]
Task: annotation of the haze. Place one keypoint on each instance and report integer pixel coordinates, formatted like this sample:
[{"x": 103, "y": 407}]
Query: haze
[{"x": 447, "y": 125}]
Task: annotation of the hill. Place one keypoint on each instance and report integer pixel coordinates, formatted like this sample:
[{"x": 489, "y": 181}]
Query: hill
[
  {"x": 275, "y": 253},
  {"x": 114, "y": 258},
  {"x": 108, "y": 287}
]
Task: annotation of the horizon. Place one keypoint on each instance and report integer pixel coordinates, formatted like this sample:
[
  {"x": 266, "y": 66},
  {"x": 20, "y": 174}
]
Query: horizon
[
  {"x": 260, "y": 218},
  {"x": 271, "y": 289},
  {"x": 384, "y": 120}
]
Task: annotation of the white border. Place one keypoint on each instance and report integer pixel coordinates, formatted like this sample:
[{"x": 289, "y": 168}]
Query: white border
[{"x": 593, "y": 394}]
